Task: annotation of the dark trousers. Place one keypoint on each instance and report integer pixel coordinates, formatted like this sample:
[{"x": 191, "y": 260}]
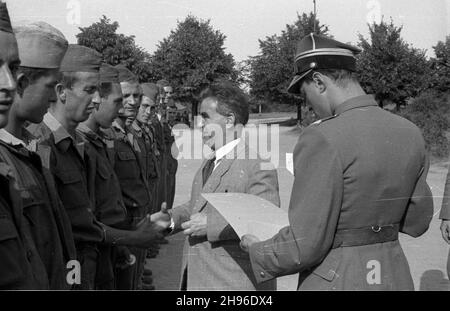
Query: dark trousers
[
  {"x": 129, "y": 277},
  {"x": 87, "y": 255}
]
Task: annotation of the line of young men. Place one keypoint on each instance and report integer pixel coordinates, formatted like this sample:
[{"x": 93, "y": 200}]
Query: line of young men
[{"x": 75, "y": 167}]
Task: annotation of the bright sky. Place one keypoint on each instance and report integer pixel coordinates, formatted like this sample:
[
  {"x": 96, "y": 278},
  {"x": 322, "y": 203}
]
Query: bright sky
[{"x": 242, "y": 21}]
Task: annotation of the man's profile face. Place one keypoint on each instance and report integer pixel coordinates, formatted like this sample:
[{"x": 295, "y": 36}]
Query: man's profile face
[
  {"x": 83, "y": 97},
  {"x": 315, "y": 99},
  {"x": 145, "y": 110},
  {"x": 213, "y": 124},
  {"x": 131, "y": 100},
  {"x": 38, "y": 96},
  {"x": 9, "y": 64},
  {"x": 109, "y": 107}
]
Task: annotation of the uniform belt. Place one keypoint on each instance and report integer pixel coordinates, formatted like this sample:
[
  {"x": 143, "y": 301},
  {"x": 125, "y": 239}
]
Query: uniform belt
[{"x": 366, "y": 236}]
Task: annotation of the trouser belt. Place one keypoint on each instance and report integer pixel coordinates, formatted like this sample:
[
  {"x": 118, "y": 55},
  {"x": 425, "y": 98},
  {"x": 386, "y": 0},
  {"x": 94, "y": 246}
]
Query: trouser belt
[{"x": 366, "y": 236}]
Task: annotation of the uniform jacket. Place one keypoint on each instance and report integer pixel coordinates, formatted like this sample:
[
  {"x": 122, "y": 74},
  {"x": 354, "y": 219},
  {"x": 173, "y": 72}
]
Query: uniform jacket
[
  {"x": 216, "y": 262},
  {"x": 45, "y": 217},
  {"x": 362, "y": 168},
  {"x": 102, "y": 180},
  {"x": 131, "y": 171},
  {"x": 67, "y": 164},
  {"x": 20, "y": 265}
]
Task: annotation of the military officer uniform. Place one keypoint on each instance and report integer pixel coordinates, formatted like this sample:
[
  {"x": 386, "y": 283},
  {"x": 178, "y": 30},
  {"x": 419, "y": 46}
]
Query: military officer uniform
[{"x": 360, "y": 179}]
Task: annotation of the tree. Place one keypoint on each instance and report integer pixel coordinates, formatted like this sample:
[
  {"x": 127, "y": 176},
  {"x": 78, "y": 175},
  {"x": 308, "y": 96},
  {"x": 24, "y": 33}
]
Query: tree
[
  {"x": 389, "y": 68},
  {"x": 192, "y": 57},
  {"x": 440, "y": 66},
  {"x": 116, "y": 48},
  {"x": 273, "y": 69}
]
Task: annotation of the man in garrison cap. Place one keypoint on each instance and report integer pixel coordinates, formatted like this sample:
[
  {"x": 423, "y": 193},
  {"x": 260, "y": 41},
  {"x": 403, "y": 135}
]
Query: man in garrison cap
[
  {"x": 20, "y": 265},
  {"x": 109, "y": 206},
  {"x": 41, "y": 50},
  {"x": 360, "y": 179},
  {"x": 129, "y": 165},
  {"x": 76, "y": 96}
]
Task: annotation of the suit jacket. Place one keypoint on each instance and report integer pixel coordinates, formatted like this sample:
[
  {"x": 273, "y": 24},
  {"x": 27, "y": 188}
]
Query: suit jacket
[
  {"x": 216, "y": 262},
  {"x": 362, "y": 168}
]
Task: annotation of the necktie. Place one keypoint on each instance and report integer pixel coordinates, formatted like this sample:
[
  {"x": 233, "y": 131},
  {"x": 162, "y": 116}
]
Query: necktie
[{"x": 208, "y": 169}]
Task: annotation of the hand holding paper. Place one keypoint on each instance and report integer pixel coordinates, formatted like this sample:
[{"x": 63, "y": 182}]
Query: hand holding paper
[
  {"x": 247, "y": 241},
  {"x": 249, "y": 214}
]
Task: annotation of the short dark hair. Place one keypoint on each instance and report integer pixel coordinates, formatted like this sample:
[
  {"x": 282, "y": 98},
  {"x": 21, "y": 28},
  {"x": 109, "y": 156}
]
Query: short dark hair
[
  {"x": 33, "y": 74},
  {"x": 230, "y": 99},
  {"x": 340, "y": 76}
]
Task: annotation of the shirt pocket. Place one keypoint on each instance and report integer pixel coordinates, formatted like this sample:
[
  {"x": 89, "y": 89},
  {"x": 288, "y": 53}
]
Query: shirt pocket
[
  {"x": 7, "y": 229},
  {"x": 33, "y": 202},
  {"x": 126, "y": 165},
  {"x": 71, "y": 188}
]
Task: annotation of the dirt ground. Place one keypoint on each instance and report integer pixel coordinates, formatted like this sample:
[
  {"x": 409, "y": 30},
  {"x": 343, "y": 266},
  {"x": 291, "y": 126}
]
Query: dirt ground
[{"x": 427, "y": 255}]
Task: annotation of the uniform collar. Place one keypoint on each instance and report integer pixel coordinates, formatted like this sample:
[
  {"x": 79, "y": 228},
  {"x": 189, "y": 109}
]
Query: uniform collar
[
  {"x": 10, "y": 139},
  {"x": 62, "y": 138},
  {"x": 356, "y": 102},
  {"x": 93, "y": 137},
  {"x": 117, "y": 126}
]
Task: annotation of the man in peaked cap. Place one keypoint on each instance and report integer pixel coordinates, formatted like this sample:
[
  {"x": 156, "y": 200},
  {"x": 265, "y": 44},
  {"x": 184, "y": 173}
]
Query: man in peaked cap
[
  {"x": 63, "y": 151},
  {"x": 41, "y": 50},
  {"x": 360, "y": 179},
  {"x": 109, "y": 206},
  {"x": 17, "y": 257}
]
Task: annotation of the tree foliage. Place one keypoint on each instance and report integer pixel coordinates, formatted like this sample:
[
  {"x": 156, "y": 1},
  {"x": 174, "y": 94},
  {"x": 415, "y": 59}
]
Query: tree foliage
[
  {"x": 440, "y": 79},
  {"x": 389, "y": 67},
  {"x": 192, "y": 57},
  {"x": 116, "y": 48},
  {"x": 273, "y": 69}
]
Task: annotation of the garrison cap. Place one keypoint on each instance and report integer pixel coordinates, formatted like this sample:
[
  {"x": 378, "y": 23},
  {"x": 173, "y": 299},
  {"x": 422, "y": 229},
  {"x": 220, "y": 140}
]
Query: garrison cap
[
  {"x": 40, "y": 45},
  {"x": 108, "y": 74},
  {"x": 125, "y": 75},
  {"x": 150, "y": 90},
  {"x": 5, "y": 21},
  {"x": 81, "y": 59},
  {"x": 316, "y": 52}
]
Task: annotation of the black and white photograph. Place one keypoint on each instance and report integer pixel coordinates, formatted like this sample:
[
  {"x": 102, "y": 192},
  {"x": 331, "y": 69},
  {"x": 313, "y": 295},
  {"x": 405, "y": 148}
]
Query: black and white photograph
[{"x": 227, "y": 150}]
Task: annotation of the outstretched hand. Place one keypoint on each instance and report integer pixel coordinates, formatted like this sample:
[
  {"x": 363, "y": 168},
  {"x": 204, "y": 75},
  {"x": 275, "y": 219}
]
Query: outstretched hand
[
  {"x": 147, "y": 233},
  {"x": 162, "y": 219}
]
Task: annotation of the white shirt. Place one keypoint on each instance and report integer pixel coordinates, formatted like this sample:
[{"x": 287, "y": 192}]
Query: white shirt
[{"x": 224, "y": 150}]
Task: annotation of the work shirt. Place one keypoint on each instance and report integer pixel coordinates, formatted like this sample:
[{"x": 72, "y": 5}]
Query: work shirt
[
  {"x": 65, "y": 156},
  {"x": 103, "y": 181},
  {"x": 45, "y": 218}
]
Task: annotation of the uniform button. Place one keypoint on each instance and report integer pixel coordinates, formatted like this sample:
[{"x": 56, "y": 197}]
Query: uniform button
[
  {"x": 134, "y": 205},
  {"x": 29, "y": 254},
  {"x": 262, "y": 274}
]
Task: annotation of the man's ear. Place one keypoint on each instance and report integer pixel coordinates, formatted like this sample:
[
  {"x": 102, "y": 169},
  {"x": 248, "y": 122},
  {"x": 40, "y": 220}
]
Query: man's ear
[
  {"x": 22, "y": 83},
  {"x": 319, "y": 81},
  {"x": 231, "y": 120},
  {"x": 61, "y": 92}
]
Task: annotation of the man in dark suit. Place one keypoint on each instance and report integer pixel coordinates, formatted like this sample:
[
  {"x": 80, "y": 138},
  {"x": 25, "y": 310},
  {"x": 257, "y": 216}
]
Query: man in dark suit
[
  {"x": 212, "y": 259},
  {"x": 360, "y": 179}
]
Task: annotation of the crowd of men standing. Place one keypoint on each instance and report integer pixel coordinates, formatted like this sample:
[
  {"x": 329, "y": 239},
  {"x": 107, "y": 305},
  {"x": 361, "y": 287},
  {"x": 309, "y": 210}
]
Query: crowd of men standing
[{"x": 85, "y": 156}]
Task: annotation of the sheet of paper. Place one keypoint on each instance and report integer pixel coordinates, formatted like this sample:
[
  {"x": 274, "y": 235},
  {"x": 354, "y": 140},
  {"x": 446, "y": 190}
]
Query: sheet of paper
[{"x": 249, "y": 214}]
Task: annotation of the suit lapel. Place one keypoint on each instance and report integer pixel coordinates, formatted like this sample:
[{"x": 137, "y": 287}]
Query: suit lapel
[{"x": 216, "y": 177}]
